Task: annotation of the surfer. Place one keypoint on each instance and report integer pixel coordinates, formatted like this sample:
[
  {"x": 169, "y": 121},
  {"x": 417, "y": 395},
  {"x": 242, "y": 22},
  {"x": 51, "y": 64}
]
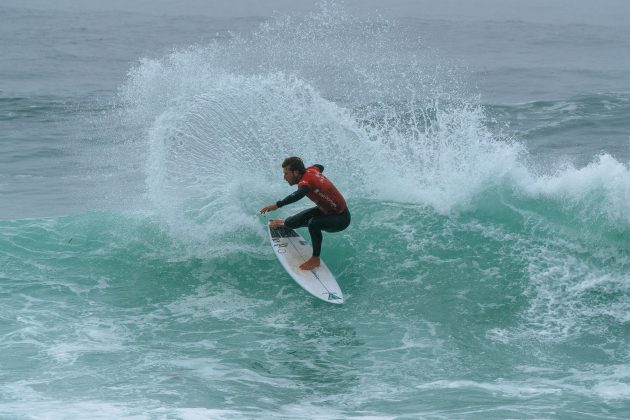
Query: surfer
[{"x": 331, "y": 213}]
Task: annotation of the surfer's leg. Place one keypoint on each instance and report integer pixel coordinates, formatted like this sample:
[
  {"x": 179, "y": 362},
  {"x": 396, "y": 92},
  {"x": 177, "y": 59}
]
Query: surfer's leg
[
  {"x": 328, "y": 223},
  {"x": 316, "y": 237},
  {"x": 336, "y": 222},
  {"x": 304, "y": 219},
  {"x": 301, "y": 219}
]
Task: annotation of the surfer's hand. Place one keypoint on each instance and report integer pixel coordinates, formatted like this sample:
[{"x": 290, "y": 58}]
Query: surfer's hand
[
  {"x": 276, "y": 223},
  {"x": 270, "y": 207}
]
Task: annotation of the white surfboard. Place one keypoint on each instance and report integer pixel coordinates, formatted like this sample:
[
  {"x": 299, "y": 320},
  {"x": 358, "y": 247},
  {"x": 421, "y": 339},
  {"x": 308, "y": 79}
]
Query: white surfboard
[{"x": 292, "y": 250}]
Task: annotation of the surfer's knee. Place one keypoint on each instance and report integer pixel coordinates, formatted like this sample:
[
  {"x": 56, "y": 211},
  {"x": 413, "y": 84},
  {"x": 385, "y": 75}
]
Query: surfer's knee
[
  {"x": 317, "y": 222},
  {"x": 290, "y": 222}
]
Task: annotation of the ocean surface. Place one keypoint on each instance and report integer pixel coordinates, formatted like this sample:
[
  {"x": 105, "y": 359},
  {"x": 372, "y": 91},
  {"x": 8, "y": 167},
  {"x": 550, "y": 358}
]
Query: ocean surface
[{"x": 486, "y": 163}]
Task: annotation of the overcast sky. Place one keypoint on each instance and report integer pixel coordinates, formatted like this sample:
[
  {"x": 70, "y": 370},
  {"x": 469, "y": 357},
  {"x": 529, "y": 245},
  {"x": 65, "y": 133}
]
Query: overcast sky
[{"x": 600, "y": 12}]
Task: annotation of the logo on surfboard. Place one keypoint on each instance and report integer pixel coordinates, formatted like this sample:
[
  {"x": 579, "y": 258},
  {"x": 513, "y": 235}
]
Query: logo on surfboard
[{"x": 332, "y": 296}]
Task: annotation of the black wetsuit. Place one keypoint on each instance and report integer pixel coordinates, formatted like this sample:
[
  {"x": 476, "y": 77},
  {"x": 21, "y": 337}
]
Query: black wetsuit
[{"x": 314, "y": 218}]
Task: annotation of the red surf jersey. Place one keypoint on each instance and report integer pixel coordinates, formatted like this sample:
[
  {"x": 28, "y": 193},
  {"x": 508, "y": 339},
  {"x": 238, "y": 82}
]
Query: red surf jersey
[{"x": 322, "y": 192}]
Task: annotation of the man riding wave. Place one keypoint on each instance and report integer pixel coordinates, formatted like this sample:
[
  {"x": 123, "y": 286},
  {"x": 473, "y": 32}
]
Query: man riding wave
[{"x": 330, "y": 214}]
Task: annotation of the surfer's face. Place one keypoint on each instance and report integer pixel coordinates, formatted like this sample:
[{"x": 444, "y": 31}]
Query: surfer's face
[{"x": 292, "y": 177}]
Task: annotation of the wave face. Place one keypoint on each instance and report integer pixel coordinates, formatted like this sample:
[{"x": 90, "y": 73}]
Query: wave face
[{"x": 485, "y": 270}]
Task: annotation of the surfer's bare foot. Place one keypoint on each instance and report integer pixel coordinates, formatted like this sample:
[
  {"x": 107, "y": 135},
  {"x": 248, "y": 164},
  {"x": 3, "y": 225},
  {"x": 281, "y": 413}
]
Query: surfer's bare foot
[
  {"x": 313, "y": 262},
  {"x": 276, "y": 223}
]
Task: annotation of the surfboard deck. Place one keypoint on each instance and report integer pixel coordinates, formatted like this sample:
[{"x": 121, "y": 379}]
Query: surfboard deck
[{"x": 292, "y": 250}]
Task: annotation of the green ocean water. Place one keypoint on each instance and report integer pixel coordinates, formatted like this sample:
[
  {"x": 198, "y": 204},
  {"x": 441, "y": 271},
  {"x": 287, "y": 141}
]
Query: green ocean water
[
  {"x": 485, "y": 272},
  {"x": 490, "y": 313}
]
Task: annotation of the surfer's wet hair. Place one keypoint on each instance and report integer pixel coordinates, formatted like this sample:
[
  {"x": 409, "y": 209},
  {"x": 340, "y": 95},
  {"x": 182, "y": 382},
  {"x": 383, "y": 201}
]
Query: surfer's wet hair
[{"x": 294, "y": 163}]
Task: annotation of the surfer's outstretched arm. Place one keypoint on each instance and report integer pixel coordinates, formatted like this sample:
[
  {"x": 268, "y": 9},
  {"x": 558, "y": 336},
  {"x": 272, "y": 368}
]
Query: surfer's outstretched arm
[{"x": 293, "y": 197}]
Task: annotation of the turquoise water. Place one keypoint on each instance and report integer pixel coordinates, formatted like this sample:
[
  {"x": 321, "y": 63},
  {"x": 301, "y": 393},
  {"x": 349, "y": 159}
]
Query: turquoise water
[{"x": 485, "y": 271}]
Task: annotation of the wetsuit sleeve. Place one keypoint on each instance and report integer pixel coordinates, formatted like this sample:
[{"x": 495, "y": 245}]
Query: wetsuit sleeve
[
  {"x": 320, "y": 167},
  {"x": 293, "y": 197}
]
